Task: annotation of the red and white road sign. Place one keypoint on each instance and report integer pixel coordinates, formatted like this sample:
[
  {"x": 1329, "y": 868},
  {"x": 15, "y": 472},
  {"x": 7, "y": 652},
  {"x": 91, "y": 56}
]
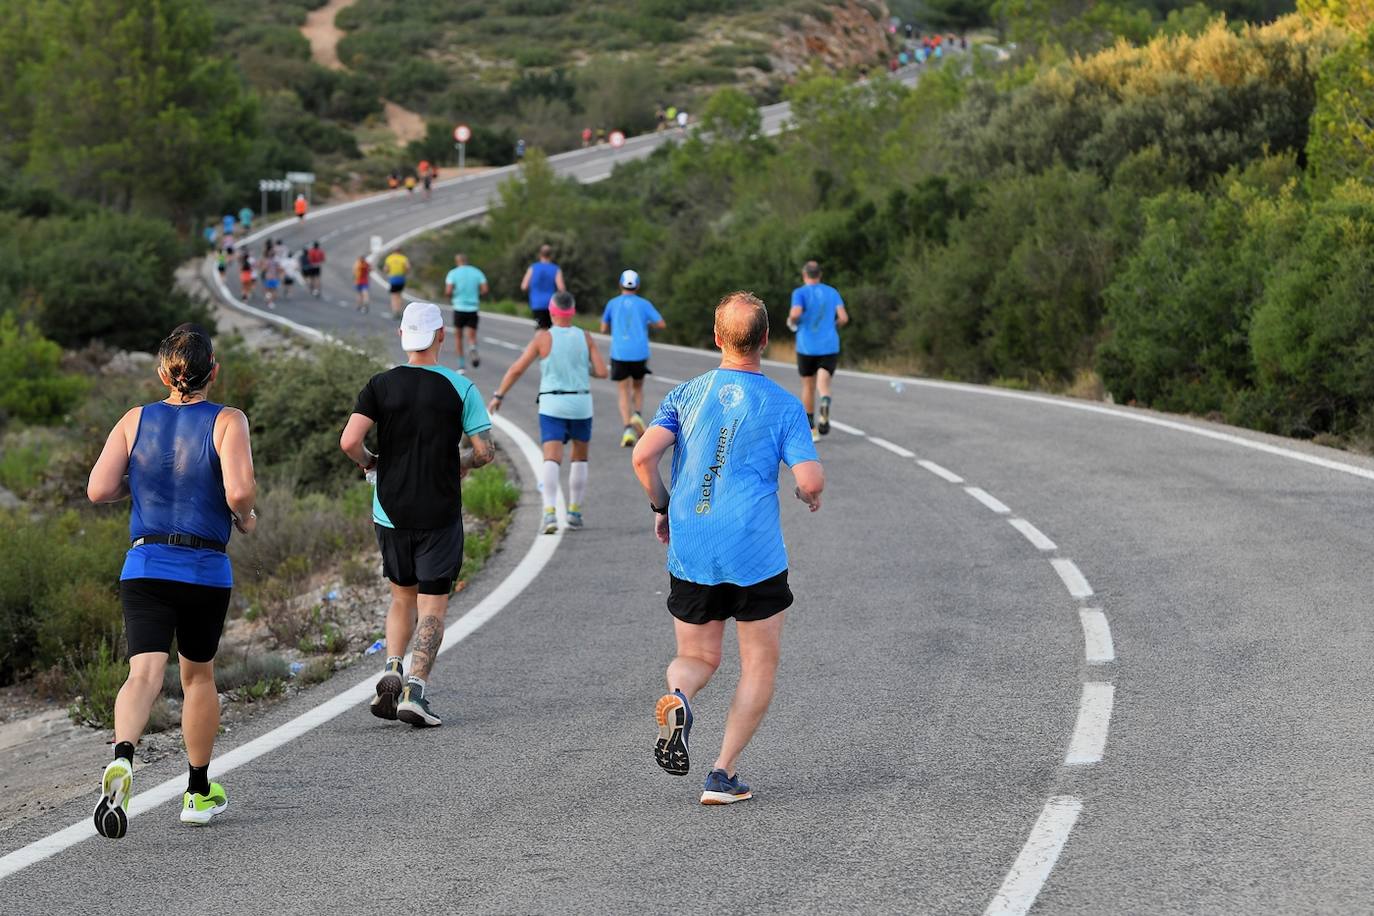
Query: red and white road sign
[
  {"x": 617, "y": 139},
  {"x": 462, "y": 133}
]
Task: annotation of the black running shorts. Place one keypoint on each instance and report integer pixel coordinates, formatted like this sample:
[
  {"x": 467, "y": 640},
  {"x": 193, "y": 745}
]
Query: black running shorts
[
  {"x": 633, "y": 368},
  {"x": 693, "y": 603},
  {"x": 414, "y": 555},
  {"x": 807, "y": 366},
  {"x": 155, "y": 610},
  {"x": 465, "y": 319}
]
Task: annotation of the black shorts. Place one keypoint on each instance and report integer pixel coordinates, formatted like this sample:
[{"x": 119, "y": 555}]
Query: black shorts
[
  {"x": 693, "y": 603},
  {"x": 398, "y": 284},
  {"x": 416, "y": 556},
  {"x": 541, "y": 318},
  {"x": 632, "y": 368},
  {"x": 155, "y": 610},
  {"x": 465, "y": 319},
  {"x": 310, "y": 271},
  {"x": 808, "y": 366}
]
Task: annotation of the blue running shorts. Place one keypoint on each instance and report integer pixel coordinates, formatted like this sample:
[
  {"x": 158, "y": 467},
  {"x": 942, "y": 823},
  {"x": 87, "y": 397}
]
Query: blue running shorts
[{"x": 557, "y": 429}]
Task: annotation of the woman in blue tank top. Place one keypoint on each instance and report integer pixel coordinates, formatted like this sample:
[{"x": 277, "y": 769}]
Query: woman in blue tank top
[
  {"x": 542, "y": 279},
  {"x": 187, "y": 465}
]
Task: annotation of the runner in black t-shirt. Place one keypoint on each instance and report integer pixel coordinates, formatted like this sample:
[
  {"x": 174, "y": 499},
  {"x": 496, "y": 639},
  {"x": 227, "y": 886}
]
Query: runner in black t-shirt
[{"x": 421, "y": 410}]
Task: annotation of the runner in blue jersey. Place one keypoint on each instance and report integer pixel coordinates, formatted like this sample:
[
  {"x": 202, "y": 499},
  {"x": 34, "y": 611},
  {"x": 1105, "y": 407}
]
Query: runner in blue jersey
[
  {"x": 729, "y": 429},
  {"x": 422, "y": 411},
  {"x": 817, "y": 314},
  {"x": 628, "y": 318},
  {"x": 568, "y": 358},
  {"x": 465, "y": 285},
  {"x": 187, "y": 465},
  {"x": 542, "y": 279}
]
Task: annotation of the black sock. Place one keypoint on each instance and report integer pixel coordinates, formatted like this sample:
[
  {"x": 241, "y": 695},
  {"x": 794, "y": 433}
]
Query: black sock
[
  {"x": 811, "y": 420},
  {"x": 125, "y": 749},
  {"x": 199, "y": 782}
]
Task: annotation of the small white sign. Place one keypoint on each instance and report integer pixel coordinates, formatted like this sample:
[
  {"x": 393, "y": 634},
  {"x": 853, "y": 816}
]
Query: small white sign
[
  {"x": 617, "y": 139},
  {"x": 301, "y": 177},
  {"x": 462, "y": 133}
]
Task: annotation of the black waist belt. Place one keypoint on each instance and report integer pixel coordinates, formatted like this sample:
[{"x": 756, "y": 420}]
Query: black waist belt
[
  {"x": 583, "y": 391},
  {"x": 180, "y": 540}
]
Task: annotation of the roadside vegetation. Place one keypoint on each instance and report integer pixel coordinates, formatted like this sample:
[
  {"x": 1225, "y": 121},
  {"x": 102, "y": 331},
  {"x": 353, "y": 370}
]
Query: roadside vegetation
[
  {"x": 1184, "y": 223},
  {"x": 61, "y": 627}
]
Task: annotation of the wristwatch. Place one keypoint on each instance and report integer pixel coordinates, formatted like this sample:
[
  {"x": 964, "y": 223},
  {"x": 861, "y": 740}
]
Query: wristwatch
[{"x": 661, "y": 510}]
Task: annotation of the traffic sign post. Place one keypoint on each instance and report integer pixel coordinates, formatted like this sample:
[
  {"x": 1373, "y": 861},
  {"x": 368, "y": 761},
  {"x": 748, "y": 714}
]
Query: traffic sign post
[
  {"x": 274, "y": 184},
  {"x": 462, "y": 134},
  {"x": 617, "y": 139}
]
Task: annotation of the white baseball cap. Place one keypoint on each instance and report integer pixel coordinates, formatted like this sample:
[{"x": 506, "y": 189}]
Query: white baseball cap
[
  {"x": 629, "y": 279},
  {"x": 419, "y": 325}
]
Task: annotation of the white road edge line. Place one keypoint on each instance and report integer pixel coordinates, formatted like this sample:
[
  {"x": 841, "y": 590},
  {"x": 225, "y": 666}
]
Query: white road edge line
[
  {"x": 941, "y": 472},
  {"x": 1094, "y": 718},
  {"x": 987, "y": 499},
  {"x": 1038, "y": 856},
  {"x": 1097, "y": 637},
  {"x": 1073, "y": 578},
  {"x": 539, "y": 554},
  {"x": 846, "y": 428},
  {"x": 892, "y": 447},
  {"x": 1032, "y": 534}
]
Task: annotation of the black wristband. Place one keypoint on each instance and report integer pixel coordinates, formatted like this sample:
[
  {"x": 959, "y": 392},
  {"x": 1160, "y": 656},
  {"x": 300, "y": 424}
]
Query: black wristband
[
  {"x": 661, "y": 510},
  {"x": 498, "y": 395}
]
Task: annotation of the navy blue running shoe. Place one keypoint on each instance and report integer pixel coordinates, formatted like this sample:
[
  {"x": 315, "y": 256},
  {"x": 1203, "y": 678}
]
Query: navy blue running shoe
[
  {"x": 674, "y": 727},
  {"x": 722, "y": 789}
]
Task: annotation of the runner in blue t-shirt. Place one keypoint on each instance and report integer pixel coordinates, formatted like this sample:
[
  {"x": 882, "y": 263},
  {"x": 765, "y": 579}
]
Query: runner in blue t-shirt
[
  {"x": 817, "y": 314},
  {"x": 542, "y": 279},
  {"x": 627, "y": 318},
  {"x": 728, "y": 429},
  {"x": 465, "y": 285}
]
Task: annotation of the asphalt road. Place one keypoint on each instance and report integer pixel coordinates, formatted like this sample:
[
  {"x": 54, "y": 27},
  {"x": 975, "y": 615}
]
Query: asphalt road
[{"x": 929, "y": 694}]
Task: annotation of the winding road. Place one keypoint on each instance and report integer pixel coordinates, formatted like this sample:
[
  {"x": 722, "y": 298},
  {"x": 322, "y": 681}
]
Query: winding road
[{"x": 1046, "y": 655}]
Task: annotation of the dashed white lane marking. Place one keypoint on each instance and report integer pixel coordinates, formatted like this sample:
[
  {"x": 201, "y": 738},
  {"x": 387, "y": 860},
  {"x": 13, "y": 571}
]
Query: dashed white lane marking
[
  {"x": 987, "y": 499},
  {"x": 667, "y": 380},
  {"x": 892, "y": 447},
  {"x": 1097, "y": 637},
  {"x": 1032, "y": 867},
  {"x": 1094, "y": 718},
  {"x": 1033, "y": 534},
  {"x": 941, "y": 472},
  {"x": 846, "y": 428},
  {"x": 506, "y": 345},
  {"x": 1074, "y": 580}
]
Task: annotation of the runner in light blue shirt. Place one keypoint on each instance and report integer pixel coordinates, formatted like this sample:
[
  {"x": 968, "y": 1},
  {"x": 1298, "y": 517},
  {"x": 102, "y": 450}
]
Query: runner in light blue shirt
[
  {"x": 728, "y": 429},
  {"x": 627, "y": 318},
  {"x": 465, "y": 285},
  {"x": 817, "y": 314}
]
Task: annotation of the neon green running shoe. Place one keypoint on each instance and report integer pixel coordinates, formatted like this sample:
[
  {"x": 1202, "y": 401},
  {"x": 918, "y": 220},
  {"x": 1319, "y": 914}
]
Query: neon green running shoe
[
  {"x": 112, "y": 811},
  {"x": 197, "y": 809}
]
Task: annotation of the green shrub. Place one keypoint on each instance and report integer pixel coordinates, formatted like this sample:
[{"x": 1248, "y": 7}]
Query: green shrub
[
  {"x": 299, "y": 409},
  {"x": 33, "y": 386},
  {"x": 96, "y": 676},
  {"x": 22, "y": 465},
  {"x": 489, "y": 494}
]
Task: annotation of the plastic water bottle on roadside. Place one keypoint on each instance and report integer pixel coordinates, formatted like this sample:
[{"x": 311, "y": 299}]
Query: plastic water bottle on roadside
[
  {"x": 376, "y": 647},
  {"x": 297, "y": 668},
  {"x": 897, "y": 386}
]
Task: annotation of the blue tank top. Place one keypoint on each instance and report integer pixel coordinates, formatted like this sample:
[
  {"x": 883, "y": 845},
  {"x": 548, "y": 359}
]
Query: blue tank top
[
  {"x": 543, "y": 284},
  {"x": 177, "y": 487},
  {"x": 568, "y": 369}
]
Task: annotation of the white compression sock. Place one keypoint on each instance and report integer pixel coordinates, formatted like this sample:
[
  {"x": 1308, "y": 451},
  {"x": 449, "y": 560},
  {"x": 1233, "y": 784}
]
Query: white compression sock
[
  {"x": 550, "y": 480},
  {"x": 577, "y": 483}
]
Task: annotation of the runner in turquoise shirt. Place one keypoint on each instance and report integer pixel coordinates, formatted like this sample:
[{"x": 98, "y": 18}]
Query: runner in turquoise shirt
[{"x": 465, "y": 285}]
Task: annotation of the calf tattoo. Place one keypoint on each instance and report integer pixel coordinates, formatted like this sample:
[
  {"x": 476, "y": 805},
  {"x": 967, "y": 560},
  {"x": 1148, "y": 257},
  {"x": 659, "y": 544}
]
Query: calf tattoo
[{"x": 427, "y": 639}]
